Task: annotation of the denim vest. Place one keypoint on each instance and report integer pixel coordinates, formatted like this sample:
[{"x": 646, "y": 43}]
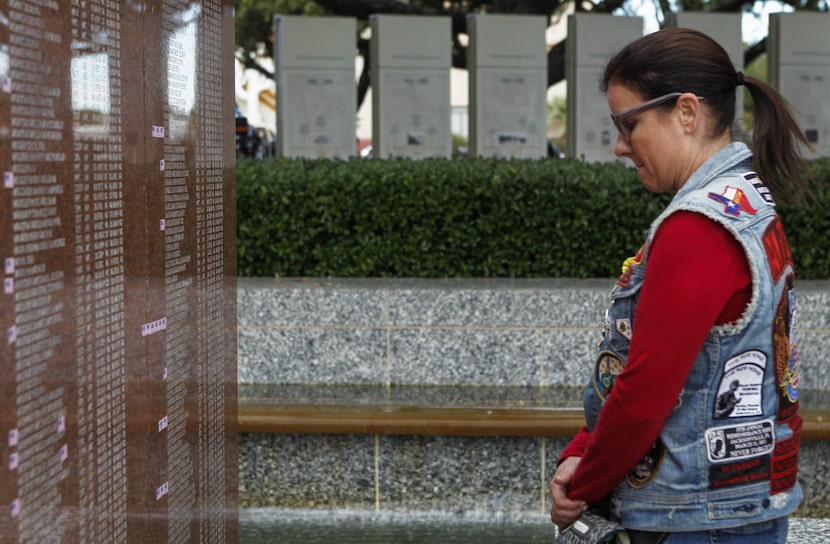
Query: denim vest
[{"x": 728, "y": 454}]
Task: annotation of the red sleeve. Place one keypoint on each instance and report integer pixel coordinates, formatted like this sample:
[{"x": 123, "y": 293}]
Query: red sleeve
[
  {"x": 576, "y": 447},
  {"x": 696, "y": 270}
]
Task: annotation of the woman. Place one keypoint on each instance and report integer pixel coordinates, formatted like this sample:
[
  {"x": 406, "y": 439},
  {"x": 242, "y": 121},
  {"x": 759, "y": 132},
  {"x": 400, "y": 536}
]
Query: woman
[{"x": 696, "y": 439}]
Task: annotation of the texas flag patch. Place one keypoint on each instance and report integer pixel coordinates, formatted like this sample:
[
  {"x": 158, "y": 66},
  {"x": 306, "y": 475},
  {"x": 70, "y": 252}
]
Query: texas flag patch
[{"x": 735, "y": 201}]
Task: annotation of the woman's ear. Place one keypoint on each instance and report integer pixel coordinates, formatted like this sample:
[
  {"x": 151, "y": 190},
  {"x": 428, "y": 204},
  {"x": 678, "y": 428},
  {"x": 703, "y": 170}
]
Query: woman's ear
[{"x": 688, "y": 106}]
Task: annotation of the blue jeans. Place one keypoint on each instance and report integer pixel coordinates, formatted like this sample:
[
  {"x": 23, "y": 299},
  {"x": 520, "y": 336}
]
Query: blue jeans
[{"x": 766, "y": 532}]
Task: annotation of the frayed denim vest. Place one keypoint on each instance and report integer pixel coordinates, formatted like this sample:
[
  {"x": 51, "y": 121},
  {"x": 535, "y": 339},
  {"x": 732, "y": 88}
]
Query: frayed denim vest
[{"x": 728, "y": 454}]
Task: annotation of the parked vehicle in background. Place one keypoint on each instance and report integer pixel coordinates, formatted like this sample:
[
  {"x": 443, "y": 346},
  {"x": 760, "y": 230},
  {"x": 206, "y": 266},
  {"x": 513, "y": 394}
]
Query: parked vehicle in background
[{"x": 252, "y": 142}]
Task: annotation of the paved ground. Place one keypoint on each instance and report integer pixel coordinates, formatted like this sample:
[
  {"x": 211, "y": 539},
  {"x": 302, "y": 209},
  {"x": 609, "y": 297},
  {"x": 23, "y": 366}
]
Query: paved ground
[{"x": 809, "y": 531}]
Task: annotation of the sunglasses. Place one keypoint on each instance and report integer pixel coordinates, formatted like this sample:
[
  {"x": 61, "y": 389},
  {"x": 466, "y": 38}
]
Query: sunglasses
[{"x": 621, "y": 118}]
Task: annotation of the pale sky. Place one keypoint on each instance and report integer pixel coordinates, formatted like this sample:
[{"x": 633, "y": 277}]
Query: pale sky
[{"x": 754, "y": 27}]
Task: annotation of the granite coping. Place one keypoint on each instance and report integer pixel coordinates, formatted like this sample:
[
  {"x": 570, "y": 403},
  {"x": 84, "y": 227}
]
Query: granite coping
[
  {"x": 309, "y": 526},
  {"x": 445, "y": 396},
  {"x": 424, "y": 283}
]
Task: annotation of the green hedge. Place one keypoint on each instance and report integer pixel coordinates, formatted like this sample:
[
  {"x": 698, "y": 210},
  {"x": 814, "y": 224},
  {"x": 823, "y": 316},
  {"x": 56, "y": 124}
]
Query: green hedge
[{"x": 464, "y": 218}]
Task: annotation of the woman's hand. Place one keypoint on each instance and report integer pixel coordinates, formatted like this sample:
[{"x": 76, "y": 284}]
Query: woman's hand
[{"x": 564, "y": 511}]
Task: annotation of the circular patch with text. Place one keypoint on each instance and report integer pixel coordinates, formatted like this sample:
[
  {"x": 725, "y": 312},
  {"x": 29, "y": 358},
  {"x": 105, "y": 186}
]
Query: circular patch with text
[
  {"x": 648, "y": 467},
  {"x": 606, "y": 368}
]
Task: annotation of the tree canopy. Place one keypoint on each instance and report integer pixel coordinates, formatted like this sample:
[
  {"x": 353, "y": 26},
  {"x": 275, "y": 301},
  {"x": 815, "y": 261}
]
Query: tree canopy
[{"x": 254, "y": 20}]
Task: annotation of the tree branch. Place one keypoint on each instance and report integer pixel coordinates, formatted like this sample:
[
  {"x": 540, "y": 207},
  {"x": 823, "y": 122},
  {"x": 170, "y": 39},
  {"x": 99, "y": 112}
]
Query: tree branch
[
  {"x": 556, "y": 63},
  {"x": 248, "y": 62},
  {"x": 364, "y": 8},
  {"x": 731, "y": 6},
  {"x": 608, "y": 6},
  {"x": 754, "y": 51},
  {"x": 364, "y": 49}
]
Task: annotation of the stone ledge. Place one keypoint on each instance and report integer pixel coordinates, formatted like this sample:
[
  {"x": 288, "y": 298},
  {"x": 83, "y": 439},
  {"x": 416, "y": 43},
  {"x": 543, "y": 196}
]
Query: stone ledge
[
  {"x": 441, "y": 421},
  {"x": 409, "y": 420}
]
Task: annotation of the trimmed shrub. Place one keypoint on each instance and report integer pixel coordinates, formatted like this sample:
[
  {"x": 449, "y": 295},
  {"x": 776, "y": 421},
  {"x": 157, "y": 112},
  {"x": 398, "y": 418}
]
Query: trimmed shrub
[{"x": 481, "y": 217}]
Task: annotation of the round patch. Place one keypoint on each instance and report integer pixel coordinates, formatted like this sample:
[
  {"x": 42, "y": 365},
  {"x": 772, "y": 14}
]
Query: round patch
[
  {"x": 606, "y": 368},
  {"x": 645, "y": 471}
]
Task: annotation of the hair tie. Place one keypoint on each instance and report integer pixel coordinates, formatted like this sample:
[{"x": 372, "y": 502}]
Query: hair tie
[{"x": 739, "y": 78}]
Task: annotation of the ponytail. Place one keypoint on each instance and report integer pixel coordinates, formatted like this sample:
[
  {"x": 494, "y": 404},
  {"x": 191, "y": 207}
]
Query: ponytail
[{"x": 775, "y": 143}]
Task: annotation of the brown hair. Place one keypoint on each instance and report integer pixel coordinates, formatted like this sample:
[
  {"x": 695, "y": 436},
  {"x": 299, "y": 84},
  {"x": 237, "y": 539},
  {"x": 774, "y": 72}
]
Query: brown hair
[{"x": 681, "y": 59}]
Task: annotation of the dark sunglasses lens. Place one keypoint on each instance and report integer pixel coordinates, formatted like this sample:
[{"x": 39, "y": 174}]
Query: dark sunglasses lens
[{"x": 619, "y": 127}]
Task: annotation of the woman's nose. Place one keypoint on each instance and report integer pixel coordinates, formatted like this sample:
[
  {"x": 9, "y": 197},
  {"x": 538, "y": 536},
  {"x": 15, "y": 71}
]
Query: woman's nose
[{"x": 621, "y": 146}]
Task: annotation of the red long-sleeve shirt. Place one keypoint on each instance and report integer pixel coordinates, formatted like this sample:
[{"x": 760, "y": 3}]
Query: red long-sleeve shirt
[{"x": 697, "y": 276}]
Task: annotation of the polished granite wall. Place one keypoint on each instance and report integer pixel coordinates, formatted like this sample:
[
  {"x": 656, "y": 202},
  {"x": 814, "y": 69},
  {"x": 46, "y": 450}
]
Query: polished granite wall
[
  {"x": 440, "y": 342},
  {"x": 118, "y": 251}
]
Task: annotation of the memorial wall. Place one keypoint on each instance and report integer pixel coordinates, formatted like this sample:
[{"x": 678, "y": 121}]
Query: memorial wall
[
  {"x": 117, "y": 238},
  {"x": 724, "y": 28},
  {"x": 316, "y": 86},
  {"x": 508, "y": 81},
  {"x": 592, "y": 40},
  {"x": 410, "y": 71},
  {"x": 798, "y": 65}
]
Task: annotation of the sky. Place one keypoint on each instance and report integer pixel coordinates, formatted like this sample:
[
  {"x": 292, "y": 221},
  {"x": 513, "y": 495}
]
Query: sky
[{"x": 754, "y": 27}]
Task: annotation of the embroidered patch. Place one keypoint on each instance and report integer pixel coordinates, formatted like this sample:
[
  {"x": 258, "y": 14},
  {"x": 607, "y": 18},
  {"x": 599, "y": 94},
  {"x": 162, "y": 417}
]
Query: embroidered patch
[
  {"x": 777, "y": 248},
  {"x": 623, "y": 326},
  {"x": 762, "y": 190},
  {"x": 785, "y": 348},
  {"x": 648, "y": 467},
  {"x": 606, "y": 368},
  {"x": 741, "y": 385},
  {"x": 741, "y": 472},
  {"x": 785, "y": 460},
  {"x": 628, "y": 267},
  {"x": 735, "y": 201},
  {"x": 740, "y": 441}
]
